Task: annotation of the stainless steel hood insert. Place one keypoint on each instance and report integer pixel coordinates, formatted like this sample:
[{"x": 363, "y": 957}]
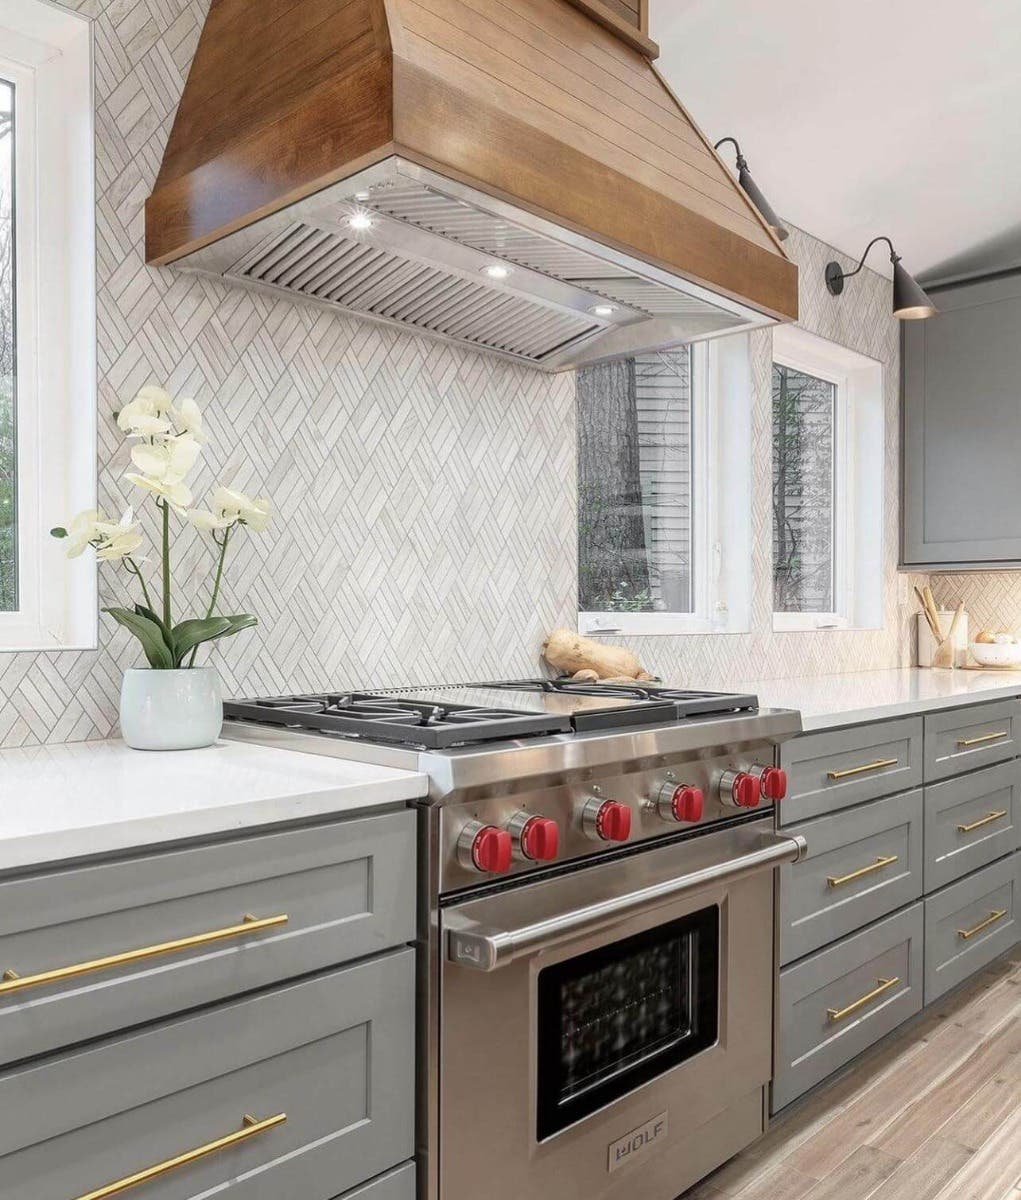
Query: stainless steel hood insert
[{"x": 420, "y": 256}]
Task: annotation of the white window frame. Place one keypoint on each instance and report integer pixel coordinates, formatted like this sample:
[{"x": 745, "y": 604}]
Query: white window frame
[
  {"x": 858, "y": 475},
  {"x": 721, "y": 502},
  {"x": 46, "y": 52}
]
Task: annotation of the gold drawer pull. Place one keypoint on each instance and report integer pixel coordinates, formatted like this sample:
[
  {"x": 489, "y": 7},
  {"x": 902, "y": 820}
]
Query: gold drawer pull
[
  {"x": 11, "y": 981},
  {"x": 252, "y": 1128},
  {"x": 838, "y": 1014},
  {"x": 977, "y": 741},
  {"x": 996, "y": 915},
  {"x": 986, "y": 820},
  {"x": 883, "y": 861},
  {"x": 872, "y": 766}
]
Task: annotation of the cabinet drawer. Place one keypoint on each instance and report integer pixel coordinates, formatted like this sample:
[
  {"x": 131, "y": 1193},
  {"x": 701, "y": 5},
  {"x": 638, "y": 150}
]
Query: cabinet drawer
[
  {"x": 862, "y": 863},
  {"x": 968, "y": 924},
  {"x": 836, "y": 769},
  {"x": 965, "y": 738},
  {"x": 335, "y": 1053},
  {"x": 394, "y": 1185},
  {"x": 836, "y": 1003},
  {"x": 346, "y": 890},
  {"x": 969, "y": 822}
]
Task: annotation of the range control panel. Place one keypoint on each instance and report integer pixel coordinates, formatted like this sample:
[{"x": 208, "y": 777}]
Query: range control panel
[{"x": 505, "y": 834}]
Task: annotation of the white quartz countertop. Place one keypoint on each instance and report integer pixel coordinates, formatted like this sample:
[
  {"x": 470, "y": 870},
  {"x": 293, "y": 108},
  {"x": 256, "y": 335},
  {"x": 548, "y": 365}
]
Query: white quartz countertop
[
  {"x": 85, "y": 798},
  {"x": 828, "y": 701}
]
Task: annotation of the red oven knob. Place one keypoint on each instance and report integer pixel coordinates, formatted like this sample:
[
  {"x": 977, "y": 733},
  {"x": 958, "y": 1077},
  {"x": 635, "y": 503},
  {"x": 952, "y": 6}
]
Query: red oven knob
[
  {"x": 739, "y": 789},
  {"x": 680, "y": 802},
  {"x": 539, "y": 839},
  {"x": 607, "y": 820},
  {"x": 485, "y": 848},
  {"x": 773, "y": 782}
]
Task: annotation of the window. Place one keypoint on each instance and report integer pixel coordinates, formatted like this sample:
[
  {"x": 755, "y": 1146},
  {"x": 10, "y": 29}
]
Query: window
[
  {"x": 47, "y": 325},
  {"x": 805, "y": 414},
  {"x": 828, "y": 452},
  {"x": 655, "y": 509}
]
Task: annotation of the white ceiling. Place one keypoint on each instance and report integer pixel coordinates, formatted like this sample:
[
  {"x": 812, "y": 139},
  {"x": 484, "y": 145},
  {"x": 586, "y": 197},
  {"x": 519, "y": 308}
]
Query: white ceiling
[{"x": 861, "y": 117}]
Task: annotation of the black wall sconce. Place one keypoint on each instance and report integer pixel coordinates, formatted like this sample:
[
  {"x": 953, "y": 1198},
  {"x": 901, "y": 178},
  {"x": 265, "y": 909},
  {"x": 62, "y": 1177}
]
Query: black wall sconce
[
  {"x": 910, "y": 303},
  {"x": 744, "y": 178}
]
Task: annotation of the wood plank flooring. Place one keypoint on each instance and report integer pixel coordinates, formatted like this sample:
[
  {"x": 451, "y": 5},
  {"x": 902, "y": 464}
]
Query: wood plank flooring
[{"x": 933, "y": 1113}]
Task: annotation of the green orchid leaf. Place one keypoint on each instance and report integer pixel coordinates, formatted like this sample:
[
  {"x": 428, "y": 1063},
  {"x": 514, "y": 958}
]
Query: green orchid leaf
[
  {"x": 149, "y": 634},
  {"x": 156, "y": 619},
  {"x": 240, "y": 621},
  {"x": 58, "y": 532},
  {"x": 190, "y": 634}
]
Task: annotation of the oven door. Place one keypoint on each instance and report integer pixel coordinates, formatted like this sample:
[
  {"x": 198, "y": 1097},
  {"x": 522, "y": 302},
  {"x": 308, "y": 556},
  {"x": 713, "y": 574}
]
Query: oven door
[{"x": 607, "y": 1032}]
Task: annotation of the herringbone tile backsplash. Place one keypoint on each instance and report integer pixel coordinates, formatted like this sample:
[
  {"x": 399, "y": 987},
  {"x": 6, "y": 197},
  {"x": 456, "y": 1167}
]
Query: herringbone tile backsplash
[{"x": 425, "y": 495}]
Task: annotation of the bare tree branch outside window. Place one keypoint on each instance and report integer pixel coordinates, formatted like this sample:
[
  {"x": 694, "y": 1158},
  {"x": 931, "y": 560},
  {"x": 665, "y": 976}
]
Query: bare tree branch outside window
[
  {"x": 8, "y": 444},
  {"x": 803, "y": 491}
]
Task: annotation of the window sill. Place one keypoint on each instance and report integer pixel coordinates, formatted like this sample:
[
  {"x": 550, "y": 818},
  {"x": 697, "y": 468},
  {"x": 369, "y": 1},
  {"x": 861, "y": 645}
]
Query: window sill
[
  {"x": 652, "y": 625},
  {"x": 800, "y": 623}
]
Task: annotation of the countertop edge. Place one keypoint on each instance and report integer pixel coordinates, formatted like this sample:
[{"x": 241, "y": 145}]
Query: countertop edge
[
  {"x": 100, "y": 835},
  {"x": 807, "y": 695}
]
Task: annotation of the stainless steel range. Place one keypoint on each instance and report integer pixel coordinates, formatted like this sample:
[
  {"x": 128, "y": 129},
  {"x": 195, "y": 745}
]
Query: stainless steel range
[{"x": 596, "y": 924}]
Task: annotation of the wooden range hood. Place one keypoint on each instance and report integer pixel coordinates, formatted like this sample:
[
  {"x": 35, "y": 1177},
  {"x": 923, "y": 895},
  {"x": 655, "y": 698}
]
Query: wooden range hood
[{"x": 532, "y": 132}]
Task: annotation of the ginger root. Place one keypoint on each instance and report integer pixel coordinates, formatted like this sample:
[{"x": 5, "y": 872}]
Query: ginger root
[{"x": 588, "y": 660}]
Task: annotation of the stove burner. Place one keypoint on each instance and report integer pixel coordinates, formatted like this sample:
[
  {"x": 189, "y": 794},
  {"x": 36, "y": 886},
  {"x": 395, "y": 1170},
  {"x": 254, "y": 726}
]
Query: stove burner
[
  {"x": 687, "y": 703},
  {"x": 434, "y": 726},
  {"x": 421, "y": 716}
]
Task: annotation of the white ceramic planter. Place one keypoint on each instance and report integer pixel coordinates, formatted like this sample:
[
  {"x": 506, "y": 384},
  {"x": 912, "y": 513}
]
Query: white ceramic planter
[{"x": 171, "y": 710}]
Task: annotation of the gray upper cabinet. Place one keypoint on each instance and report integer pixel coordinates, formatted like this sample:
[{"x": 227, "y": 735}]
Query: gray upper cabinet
[{"x": 962, "y": 428}]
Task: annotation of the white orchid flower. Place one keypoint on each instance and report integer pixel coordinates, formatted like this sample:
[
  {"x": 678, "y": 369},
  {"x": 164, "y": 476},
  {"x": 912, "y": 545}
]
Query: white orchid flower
[
  {"x": 188, "y": 419},
  {"x": 81, "y": 532},
  {"x": 255, "y": 513},
  {"x": 148, "y": 415},
  {"x": 176, "y": 493},
  {"x": 121, "y": 544},
  {"x": 168, "y": 460},
  {"x": 111, "y": 539},
  {"x": 157, "y": 398},
  {"x": 140, "y": 420},
  {"x": 206, "y": 521}
]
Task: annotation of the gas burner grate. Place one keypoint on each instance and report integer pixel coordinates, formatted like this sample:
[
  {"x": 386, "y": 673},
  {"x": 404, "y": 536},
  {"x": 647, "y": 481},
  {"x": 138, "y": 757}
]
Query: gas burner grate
[
  {"x": 687, "y": 702},
  {"x": 388, "y": 718}
]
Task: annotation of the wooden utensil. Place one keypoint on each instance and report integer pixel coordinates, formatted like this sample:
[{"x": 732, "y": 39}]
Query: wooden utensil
[{"x": 931, "y": 619}]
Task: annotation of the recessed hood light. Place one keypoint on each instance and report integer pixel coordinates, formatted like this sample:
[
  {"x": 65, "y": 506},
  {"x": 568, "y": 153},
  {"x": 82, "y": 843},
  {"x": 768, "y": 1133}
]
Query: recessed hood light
[
  {"x": 360, "y": 221},
  {"x": 603, "y": 310},
  {"x": 497, "y": 271}
]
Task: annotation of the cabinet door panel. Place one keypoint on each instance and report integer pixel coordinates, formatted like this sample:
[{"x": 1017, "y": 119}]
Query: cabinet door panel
[{"x": 962, "y": 427}]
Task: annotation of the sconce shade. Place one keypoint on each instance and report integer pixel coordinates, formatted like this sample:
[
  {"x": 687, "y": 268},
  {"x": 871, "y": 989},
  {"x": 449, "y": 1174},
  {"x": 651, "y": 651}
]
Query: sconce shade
[
  {"x": 744, "y": 178},
  {"x": 751, "y": 190},
  {"x": 910, "y": 303}
]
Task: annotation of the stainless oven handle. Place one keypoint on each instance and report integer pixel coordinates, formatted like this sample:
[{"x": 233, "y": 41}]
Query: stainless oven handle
[{"x": 487, "y": 949}]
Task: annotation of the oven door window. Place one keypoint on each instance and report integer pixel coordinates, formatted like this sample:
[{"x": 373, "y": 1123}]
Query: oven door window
[{"x": 615, "y": 1018}]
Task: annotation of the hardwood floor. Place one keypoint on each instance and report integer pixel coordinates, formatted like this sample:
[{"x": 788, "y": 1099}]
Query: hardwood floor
[{"x": 933, "y": 1113}]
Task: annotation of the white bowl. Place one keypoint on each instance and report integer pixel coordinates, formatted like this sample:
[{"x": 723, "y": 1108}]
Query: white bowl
[{"x": 990, "y": 654}]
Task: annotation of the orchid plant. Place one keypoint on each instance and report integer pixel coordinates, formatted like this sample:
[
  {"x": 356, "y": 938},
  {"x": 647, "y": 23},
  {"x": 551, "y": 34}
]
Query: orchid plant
[{"x": 167, "y": 443}]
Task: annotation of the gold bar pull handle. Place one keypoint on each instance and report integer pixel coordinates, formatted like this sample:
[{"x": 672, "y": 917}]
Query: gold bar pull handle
[
  {"x": 996, "y": 915},
  {"x": 847, "y": 772},
  {"x": 881, "y": 862},
  {"x": 12, "y": 982},
  {"x": 884, "y": 985},
  {"x": 986, "y": 820},
  {"x": 986, "y": 737},
  {"x": 250, "y": 1128}
]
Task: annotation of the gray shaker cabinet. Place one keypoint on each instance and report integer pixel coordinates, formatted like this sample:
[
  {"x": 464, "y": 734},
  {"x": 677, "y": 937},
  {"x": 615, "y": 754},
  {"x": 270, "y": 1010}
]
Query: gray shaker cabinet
[
  {"x": 235, "y": 1017},
  {"x": 962, "y": 428}
]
